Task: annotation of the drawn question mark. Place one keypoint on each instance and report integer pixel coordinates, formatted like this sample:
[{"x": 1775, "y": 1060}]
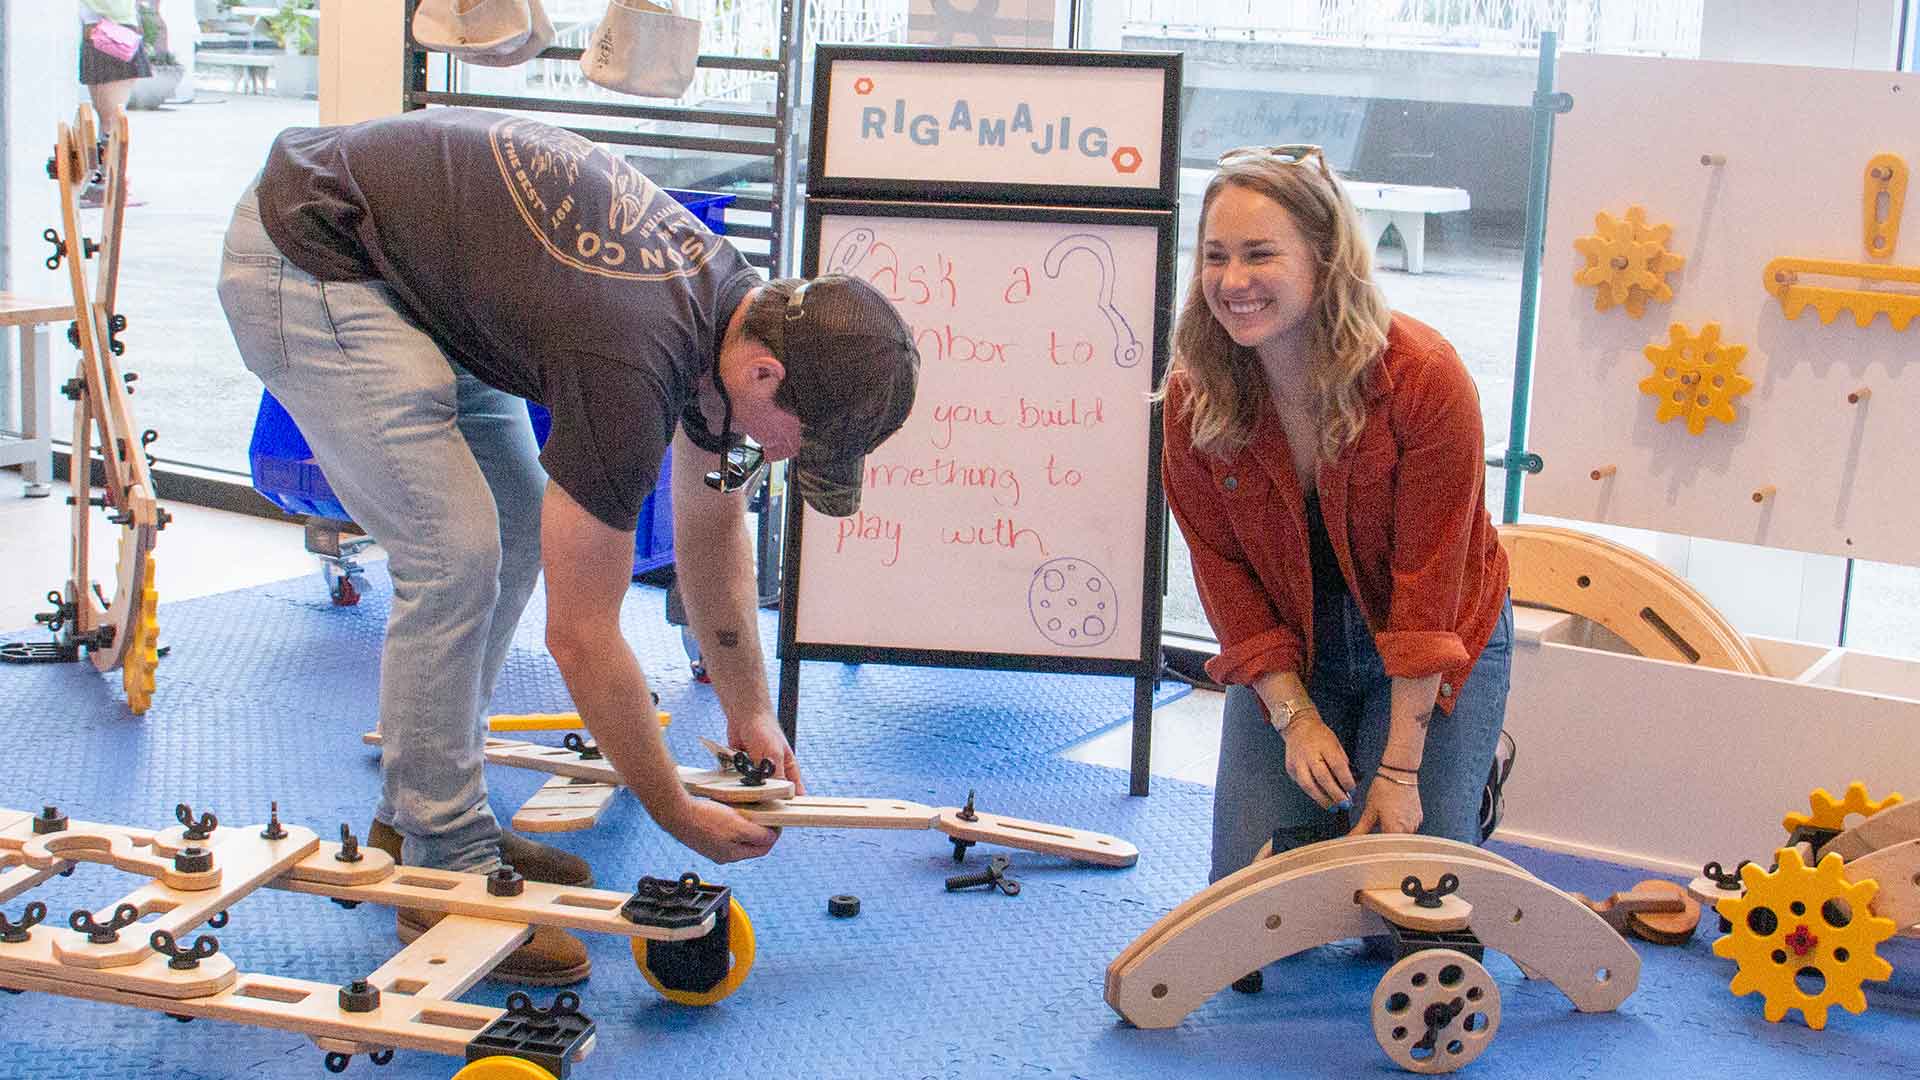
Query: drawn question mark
[
  {"x": 1126, "y": 347},
  {"x": 851, "y": 250}
]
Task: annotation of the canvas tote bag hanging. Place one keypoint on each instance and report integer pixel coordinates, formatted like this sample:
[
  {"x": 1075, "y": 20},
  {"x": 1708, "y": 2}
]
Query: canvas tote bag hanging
[
  {"x": 495, "y": 33},
  {"x": 643, "y": 48}
]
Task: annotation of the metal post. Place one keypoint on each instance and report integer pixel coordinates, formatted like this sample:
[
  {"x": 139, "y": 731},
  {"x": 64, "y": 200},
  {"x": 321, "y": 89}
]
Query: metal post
[{"x": 1544, "y": 107}]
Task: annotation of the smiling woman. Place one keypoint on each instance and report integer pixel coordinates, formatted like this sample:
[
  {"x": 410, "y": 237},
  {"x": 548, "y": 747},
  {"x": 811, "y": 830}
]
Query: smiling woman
[{"x": 1322, "y": 457}]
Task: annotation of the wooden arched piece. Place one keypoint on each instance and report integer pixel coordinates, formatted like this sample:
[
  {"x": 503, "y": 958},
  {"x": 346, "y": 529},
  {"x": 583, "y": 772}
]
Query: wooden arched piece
[
  {"x": 1644, "y": 603},
  {"x": 1240, "y": 924}
]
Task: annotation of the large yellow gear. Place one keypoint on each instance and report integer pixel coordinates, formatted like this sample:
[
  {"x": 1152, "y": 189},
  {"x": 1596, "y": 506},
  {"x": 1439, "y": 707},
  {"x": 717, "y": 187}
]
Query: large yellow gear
[
  {"x": 1627, "y": 261},
  {"x": 143, "y": 651},
  {"x": 1696, "y": 377},
  {"x": 1796, "y": 927},
  {"x": 1831, "y": 813}
]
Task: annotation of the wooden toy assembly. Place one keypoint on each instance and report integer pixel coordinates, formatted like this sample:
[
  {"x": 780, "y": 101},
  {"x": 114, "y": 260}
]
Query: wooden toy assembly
[
  {"x": 119, "y": 632},
  {"x": 1443, "y": 903},
  {"x": 690, "y": 939},
  {"x": 584, "y": 782},
  {"x": 1805, "y": 932}
]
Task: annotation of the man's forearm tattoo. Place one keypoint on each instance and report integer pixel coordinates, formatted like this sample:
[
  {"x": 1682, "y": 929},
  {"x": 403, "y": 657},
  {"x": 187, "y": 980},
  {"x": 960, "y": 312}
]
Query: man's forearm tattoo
[{"x": 728, "y": 638}]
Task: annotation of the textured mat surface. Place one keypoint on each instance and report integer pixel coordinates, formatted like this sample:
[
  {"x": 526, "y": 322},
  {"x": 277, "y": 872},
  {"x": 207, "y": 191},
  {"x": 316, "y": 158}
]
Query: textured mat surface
[{"x": 264, "y": 696}]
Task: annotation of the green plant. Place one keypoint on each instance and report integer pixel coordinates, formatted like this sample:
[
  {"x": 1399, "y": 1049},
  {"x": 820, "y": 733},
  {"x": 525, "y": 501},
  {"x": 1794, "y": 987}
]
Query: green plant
[{"x": 290, "y": 28}]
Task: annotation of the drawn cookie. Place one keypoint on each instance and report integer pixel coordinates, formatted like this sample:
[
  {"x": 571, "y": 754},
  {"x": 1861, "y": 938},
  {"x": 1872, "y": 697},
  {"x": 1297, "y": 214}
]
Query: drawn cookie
[{"x": 1072, "y": 602}]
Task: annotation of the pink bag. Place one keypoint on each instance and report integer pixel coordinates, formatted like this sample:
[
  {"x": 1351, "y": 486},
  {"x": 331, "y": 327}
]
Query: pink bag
[{"x": 119, "y": 42}]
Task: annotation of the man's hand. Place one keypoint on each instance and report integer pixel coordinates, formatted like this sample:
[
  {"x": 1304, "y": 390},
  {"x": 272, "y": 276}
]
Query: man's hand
[
  {"x": 1317, "y": 761},
  {"x": 720, "y": 832},
  {"x": 1391, "y": 808},
  {"x": 760, "y": 737}
]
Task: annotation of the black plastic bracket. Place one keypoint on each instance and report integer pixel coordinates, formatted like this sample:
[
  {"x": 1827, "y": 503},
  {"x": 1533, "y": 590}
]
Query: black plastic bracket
[
  {"x": 695, "y": 966},
  {"x": 1407, "y": 942},
  {"x": 550, "y": 1037}
]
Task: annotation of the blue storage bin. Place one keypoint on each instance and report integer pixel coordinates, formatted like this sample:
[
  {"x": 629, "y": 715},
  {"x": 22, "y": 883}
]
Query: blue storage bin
[{"x": 284, "y": 471}]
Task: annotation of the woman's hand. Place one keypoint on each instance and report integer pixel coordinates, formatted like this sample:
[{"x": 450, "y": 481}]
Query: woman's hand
[
  {"x": 1316, "y": 760},
  {"x": 1391, "y": 808}
]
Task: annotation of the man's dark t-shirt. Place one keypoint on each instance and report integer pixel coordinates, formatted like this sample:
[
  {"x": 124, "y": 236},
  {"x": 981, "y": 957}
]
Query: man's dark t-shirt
[{"x": 541, "y": 263}]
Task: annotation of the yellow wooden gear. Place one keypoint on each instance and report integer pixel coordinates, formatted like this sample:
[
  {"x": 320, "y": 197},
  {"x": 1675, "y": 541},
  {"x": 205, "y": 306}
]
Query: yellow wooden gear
[
  {"x": 1696, "y": 377},
  {"x": 1796, "y": 921},
  {"x": 739, "y": 944},
  {"x": 1627, "y": 261},
  {"x": 143, "y": 652},
  {"x": 1831, "y": 813}
]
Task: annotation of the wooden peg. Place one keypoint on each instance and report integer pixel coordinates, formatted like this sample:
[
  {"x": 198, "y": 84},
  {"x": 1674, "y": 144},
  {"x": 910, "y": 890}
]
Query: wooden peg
[
  {"x": 1762, "y": 494},
  {"x": 1859, "y": 395},
  {"x": 1711, "y": 160},
  {"x": 1603, "y": 472}
]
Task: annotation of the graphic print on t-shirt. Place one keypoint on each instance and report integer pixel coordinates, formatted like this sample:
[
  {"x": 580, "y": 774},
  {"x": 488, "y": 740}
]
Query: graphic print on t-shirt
[{"x": 592, "y": 210}]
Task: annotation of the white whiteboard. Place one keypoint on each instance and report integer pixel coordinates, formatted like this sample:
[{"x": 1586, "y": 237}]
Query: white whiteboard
[
  {"x": 1009, "y": 514},
  {"x": 1796, "y": 143},
  {"x": 941, "y": 117}
]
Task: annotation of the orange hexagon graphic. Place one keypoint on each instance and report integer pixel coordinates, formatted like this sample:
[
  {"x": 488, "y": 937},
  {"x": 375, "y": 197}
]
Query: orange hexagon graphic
[
  {"x": 1126, "y": 159},
  {"x": 863, "y": 86}
]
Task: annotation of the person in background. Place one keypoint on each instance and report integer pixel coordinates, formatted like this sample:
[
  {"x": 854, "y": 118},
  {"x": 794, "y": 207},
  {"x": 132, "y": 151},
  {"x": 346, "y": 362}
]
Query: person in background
[
  {"x": 1324, "y": 460},
  {"x": 113, "y": 53}
]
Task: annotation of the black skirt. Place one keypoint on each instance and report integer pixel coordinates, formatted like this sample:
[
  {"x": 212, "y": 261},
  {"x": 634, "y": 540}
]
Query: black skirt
[{"x": 97, "y": 67}]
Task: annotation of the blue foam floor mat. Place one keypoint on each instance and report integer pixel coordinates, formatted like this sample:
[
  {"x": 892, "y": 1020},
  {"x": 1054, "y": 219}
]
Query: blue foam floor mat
[{"x": 264, "y": 696}]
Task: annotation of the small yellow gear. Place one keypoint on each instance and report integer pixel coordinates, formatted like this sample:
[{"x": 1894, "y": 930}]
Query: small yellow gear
[
  {"x": 1831, "y": 813},
  {"x": 1794, "y": 928},
  {"x": 1695, "y": 377},
  {"x": 1627, "y": 261},
  {"x": 143, "y": 651}
]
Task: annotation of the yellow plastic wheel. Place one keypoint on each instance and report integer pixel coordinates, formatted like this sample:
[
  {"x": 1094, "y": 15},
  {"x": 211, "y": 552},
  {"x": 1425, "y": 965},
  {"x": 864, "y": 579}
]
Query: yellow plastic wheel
[
  {"x": 739, "y": 945},
  {"x": 1804, "y": 938},
  {"x": 500, "y": 1067}
]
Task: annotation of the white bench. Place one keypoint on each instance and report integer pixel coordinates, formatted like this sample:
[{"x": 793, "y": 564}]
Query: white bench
[
  {"x": 249, "y": 70},
  {"x": 31, "y": 447},
  {"x": 1405, "y": 207}
]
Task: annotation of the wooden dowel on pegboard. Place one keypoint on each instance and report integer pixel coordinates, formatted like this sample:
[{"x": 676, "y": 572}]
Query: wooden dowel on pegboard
[
  {"x": 1860, "y": 395},
  {"x": 1762, "y": 494},
  {"x": 1603, "y": 472}
]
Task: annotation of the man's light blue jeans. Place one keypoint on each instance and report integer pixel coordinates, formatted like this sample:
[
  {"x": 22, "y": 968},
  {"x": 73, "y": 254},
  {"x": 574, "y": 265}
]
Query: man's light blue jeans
[
  {"x": 443, "y": 471},
  {"x": 1253, "y": 796}
]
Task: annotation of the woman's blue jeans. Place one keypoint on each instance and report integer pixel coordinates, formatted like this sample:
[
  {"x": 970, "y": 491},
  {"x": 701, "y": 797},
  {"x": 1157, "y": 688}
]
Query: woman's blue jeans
[
  {"x": 443, "y": 471},
  {"x": 1253, "y": 797}
]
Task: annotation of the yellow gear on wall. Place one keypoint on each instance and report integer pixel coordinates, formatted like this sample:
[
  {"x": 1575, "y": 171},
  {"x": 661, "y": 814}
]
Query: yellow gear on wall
[
  {"x": 1627, "y": 261},
  {"x": 1695, "y": 377},
  {"x": 1804, "y": 938}
]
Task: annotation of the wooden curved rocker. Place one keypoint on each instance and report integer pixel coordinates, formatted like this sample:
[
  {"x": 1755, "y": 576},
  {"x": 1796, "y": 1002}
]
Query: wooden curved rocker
[
  {"x": 1645, "y": 604},
  {"x": 1353, "y": 887}
]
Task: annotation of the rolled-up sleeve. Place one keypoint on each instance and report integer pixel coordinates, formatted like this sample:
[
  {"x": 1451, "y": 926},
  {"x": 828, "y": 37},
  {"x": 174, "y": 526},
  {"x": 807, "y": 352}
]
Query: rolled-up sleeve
[
  {"x": 1438, "y": 492},
  {"x": 1253, "y": 638}
]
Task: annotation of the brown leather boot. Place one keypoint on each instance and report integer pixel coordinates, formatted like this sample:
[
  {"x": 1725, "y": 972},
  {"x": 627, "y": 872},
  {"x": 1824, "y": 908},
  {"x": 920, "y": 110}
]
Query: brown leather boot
[
  {"x": 534, "y": 861},
  {"x": 553, "y": 958}
]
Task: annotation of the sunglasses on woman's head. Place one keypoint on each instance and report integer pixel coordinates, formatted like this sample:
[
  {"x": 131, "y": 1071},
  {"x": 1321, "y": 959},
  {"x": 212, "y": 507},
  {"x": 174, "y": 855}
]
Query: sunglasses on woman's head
[{"x": 1288, "y": 153}]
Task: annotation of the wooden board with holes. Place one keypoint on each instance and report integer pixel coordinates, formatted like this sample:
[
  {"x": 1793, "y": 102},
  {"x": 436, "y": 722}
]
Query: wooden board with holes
[
  {"x": 564, "y": 804},
  {"x": 824, "y": 812},
  {"x": 1654, "y": 611},
  {"x": 1081, "y": 845},
  {"x": 720, "y": 785}
]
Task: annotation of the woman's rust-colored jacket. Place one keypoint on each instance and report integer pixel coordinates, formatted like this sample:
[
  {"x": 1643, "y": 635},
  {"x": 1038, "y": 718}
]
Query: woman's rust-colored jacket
[{"x": 1404, "y": 506}]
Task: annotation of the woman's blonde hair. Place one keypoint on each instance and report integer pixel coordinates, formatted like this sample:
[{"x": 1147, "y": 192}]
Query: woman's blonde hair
[{"x": 1348, "y": 329}]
